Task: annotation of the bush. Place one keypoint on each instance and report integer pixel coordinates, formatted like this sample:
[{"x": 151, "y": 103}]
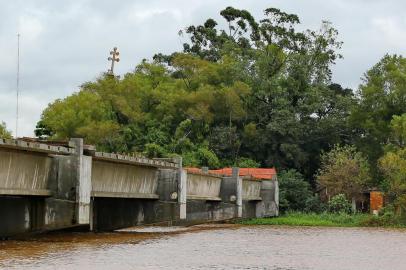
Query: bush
[
  {"x": 294, "y": 191},
  {"x": 201, "y": 157},
  {"x": 314, "y": 205},
  {"x": 153, "y": 150},
  {"x": 207, "y": 158},
  {"x": 386, "y": 217},
  {"x": 247, "y": 163},
  {"x": 339, "y": 204}
]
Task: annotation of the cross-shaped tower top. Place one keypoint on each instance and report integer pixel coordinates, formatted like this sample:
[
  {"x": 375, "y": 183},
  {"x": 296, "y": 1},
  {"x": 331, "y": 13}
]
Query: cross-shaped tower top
[{"x": 113, "y": 58}]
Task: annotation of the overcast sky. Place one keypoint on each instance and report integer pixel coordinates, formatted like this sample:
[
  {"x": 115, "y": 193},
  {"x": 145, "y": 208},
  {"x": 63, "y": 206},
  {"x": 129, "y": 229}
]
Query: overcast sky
[{"x": 65, "y": 43}]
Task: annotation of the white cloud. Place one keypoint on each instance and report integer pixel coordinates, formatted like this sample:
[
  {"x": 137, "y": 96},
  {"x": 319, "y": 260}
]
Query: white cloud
[
  {"x": 30, "y": 26},
  {"x": 142, "y": 15},
  {"x": 392, "y": 30},
  {"x": 65, "y": 43},
  {"x": 29, "y": 106}
]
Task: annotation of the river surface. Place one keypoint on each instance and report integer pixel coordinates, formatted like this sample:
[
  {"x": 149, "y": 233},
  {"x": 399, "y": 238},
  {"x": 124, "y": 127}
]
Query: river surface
[{"x": 212, "y": 247}]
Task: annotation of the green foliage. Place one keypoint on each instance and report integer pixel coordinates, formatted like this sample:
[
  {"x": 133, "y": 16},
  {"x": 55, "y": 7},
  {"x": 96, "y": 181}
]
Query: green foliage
[
  {"x": 339, "y": 204},
  {"x": 247, "y": 163},
  {"x": 313, "y": 204},
  {"x": 4, "y": 133},
  {"x": 258, "y": 88},
  {"x": 324, "y": 219},
  {"x": 381, "y": 96},
  {"x": 344, "y": 170},
  {"x": 153, "y": 150},
  {"x": 293, "y": 191},
  {"x": 207, "y": 158},
  {"x": 398, "y": 127},
  {"x": 393, "y": 167},
  {"x": 386, "y": 218}
]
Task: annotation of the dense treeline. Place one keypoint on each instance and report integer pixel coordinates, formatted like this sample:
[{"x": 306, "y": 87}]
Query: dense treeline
[{"x": 257, "y": 93}]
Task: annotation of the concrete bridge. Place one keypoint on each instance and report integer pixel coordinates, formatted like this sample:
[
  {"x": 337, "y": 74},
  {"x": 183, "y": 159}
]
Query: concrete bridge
[{"x": 49, "y": 187}]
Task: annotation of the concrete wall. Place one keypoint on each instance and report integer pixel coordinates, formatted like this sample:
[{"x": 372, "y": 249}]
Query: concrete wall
[
  {"x": 123, "y": 180},
  {"x": 24, "y": 173},
  {"x": 203, "y": 187},
  {"x": 251, "y": 190},
  {"x": 115, "y": 213},
  {"x": 219, "y": 201}
]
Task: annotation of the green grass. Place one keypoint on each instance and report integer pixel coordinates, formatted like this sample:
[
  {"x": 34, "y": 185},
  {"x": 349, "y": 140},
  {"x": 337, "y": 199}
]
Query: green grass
[{"x": 324, "y": 219}]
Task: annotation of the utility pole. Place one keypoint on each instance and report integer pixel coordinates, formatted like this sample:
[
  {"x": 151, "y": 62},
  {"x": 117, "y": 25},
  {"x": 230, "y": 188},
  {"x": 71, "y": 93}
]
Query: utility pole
[
  {"x": 113, "y": 58},
  {"x": 18, "y": 81}
]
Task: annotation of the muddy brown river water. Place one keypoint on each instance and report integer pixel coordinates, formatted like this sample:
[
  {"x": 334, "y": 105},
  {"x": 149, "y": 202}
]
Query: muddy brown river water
[{"x": 212, "y": 247}]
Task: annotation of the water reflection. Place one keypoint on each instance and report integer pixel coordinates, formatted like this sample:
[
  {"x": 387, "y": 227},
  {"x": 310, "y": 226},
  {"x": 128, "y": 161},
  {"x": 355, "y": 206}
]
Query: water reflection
[{"x": 212, "y": 247}]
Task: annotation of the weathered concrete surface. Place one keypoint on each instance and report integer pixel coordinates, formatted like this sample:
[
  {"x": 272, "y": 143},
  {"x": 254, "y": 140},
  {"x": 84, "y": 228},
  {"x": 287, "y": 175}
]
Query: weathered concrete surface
[
  {"x": 199, "y": 211},
  {"x": 249, "y": 209},
  {"x": 269, "y": 205},
  {"x": 203, "y": 187},
  {"x": 23, "y": 173},
  {"x": 123, "y": 180},
  {"x": 113, "y": 213},
  {"x": 58, "y": 214},
  {"x": 251, "y": 190},
  {"x": 20, "y": 215},
  {"x": 83, "y": 181}
]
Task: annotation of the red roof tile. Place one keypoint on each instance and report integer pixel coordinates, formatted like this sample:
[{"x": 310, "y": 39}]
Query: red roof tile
[{"x": 259, "y": 173}]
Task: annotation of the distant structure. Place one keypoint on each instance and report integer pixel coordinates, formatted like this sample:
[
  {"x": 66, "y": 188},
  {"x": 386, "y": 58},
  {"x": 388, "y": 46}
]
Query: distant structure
[{"x": 113, "y": 58}]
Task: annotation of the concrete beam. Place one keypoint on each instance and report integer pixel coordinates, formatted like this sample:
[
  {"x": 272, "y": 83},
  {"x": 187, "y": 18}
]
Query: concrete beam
[
  {"x": 135, "y": 160},
  {"x": 23, "y": 192},
  {"x": 35, "y": 147},
  {"x": 124, "y": 195}
]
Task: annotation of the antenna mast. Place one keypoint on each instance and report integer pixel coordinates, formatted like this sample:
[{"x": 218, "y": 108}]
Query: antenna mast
[{"x": 18, "y": 80}]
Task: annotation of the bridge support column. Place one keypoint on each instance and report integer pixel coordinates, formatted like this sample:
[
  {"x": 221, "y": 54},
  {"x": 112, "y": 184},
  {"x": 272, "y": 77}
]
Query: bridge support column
[
  {"x": 238, "y": 180},
  {"x": 269, "y": 205},
  {"x": 182, "y": 190},
  {"x": 83, "y": 175}
]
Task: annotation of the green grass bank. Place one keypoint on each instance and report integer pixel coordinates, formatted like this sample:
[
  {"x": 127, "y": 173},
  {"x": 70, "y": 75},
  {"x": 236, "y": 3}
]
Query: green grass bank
[{"x": 328, "y": 220}]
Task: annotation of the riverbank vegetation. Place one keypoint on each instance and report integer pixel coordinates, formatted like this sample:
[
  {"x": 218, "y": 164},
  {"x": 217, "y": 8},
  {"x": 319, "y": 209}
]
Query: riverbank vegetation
[
  {"x": 329, "y": 220},
  {"x": 257, "y": 93}
]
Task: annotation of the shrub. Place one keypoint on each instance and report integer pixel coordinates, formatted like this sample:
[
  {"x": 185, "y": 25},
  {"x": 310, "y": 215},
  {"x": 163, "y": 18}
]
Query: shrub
[
  {"x": 153, "y": 150},
  {"x": 314, "y": 205},
  {"x": 247, "y": 163},
  {"x": 339, "y": 204},
  {"x": 386, "y": 217},
  {"x": 207, "y": 158},
  {"x": 293, "y": 190}
]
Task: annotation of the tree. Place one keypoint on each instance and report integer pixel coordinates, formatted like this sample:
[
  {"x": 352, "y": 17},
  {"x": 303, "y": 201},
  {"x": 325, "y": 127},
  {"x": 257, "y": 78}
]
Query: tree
[
  {"x": 398, "y": 126},
  {"x": 393, "y": 163},
  {"x": 4, "y": 133},
  {"x": 393, "y": 166},
  {"x": 294, "y": 191},
  {"x": 344, "y": 171},
  {"x": 381, "y": 96},
  {"x": 258, "y": 88}
]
